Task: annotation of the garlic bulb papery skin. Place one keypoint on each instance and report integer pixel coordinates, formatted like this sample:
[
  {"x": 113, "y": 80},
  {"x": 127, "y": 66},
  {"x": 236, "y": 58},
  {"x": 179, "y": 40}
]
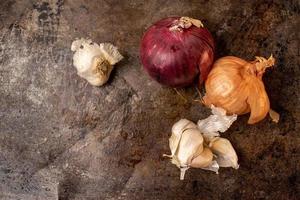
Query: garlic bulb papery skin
[
  {"x": 94, "y": 62},
  {"x": 225, "y": 153},
  {"x": 215, "y": 123},
  {"x": 236, "y": 85}
]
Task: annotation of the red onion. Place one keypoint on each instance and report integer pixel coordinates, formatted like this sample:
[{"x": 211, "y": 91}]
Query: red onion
[{"x": 174, "y": 50}]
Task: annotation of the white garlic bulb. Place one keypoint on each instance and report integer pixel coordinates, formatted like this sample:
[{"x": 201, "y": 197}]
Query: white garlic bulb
[
  {"x": 225, "y": 153},
  {"x": 94, "y": 62},
  {"x": 186, "y": 144},
  {"x": 215, "y": 123}
]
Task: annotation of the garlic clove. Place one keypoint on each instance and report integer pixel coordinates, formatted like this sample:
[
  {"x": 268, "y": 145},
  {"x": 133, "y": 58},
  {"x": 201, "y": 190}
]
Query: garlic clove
[
  {"x": 181, "y": 125},
  {"x": 186, "y": 143},
  {"x": 190, "y": 145},
  {"x": 225, "y": 153},
  {"x": 217, "y": 122},
  {"x": 202, "y": 160},
  {"x": 177, "y": 130},
  {"x": 94, "y": 62},
  {"x": 205, "y": 161}
]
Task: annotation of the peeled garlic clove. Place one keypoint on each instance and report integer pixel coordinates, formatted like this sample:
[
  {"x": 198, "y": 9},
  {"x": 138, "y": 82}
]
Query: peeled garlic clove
[
  {"x": 93, "y": 62},
  {"x": 203, "y": 160},
  {"x": 217, "y": 122},
  {"x": 226, "y": 155}
]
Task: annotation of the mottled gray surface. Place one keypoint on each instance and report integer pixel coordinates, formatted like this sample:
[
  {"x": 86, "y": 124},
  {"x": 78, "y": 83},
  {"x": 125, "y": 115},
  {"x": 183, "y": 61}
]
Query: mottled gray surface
[{"x": 61, "y": 138}]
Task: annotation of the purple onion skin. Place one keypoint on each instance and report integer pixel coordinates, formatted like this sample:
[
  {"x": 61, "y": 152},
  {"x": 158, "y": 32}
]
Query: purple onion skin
[{"x": 175, "y": 58}]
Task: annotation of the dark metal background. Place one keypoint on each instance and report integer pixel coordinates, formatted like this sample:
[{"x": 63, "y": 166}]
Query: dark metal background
[{"x": 61, "y": 138}]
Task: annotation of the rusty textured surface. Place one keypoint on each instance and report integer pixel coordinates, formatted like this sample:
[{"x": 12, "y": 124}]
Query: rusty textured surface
[{"x": 61, "y": 138}]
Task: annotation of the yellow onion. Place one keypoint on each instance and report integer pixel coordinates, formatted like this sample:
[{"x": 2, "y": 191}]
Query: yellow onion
[{"x": 236, "y": 85}]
